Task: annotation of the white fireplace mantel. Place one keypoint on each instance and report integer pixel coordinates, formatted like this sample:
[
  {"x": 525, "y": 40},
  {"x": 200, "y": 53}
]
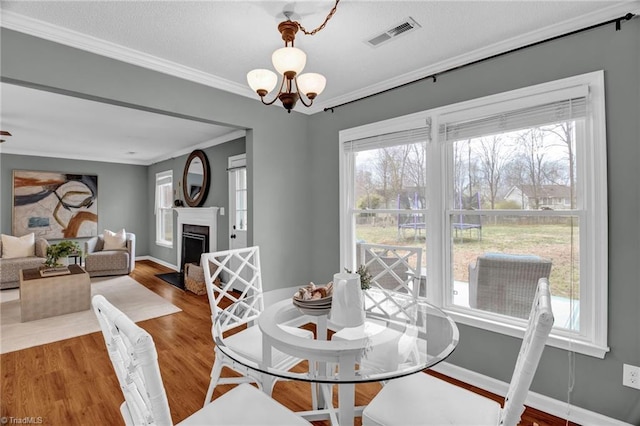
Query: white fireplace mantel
[{"x": 203, "y": 216}]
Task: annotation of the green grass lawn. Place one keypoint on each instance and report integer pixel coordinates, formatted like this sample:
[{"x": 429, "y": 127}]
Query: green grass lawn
[{"x": 551, "y": 241}]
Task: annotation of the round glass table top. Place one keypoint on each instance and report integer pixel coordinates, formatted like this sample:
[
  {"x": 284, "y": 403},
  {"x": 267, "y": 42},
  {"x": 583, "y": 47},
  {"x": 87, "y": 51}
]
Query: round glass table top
[{"x": 401, "y": 335}]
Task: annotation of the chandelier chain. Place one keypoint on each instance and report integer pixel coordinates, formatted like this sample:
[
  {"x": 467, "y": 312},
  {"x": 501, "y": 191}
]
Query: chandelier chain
[{"x": 329, "y": 16}]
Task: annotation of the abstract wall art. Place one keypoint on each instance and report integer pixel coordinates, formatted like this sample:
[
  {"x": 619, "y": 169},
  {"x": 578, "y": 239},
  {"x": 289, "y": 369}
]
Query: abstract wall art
[{"x": 55, "y": 205}]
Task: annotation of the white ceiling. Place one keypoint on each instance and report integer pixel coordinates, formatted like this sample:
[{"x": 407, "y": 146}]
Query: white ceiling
[
  {"x": 53, "y": 125},
  {"x": 217, "y": 42}
]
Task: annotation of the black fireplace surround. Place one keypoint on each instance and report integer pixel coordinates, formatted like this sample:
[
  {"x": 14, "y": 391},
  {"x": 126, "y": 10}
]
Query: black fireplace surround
[{"x": 195, "y": 241}]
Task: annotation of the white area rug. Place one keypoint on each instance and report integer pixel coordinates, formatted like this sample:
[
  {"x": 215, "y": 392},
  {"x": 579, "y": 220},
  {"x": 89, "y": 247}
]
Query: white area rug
[{"x": 132, "y": 298}]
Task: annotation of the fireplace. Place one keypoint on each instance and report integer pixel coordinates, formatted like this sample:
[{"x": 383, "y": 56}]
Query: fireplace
[
  {"x": 195, "y": 241},
  {"x": 197, "y": 234}
]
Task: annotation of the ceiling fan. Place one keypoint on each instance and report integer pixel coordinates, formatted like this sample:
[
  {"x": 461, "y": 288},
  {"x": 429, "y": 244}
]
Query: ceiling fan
[{"x": 2, "y": 134}]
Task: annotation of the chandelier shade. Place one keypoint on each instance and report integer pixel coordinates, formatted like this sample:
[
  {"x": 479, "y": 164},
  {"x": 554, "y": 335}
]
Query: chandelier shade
[
  {"x": 311, "y": 84},
  {"x": 262, "y": 80},
  {"x": 289, "y": 59}
]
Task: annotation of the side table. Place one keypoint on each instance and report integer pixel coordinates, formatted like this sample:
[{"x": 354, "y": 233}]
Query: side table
[{"x": 77, "y": 258}]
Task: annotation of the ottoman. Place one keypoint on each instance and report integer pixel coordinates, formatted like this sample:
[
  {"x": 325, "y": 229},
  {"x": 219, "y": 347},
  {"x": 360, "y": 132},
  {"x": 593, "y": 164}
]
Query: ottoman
[{"x": 43, "y": 297}]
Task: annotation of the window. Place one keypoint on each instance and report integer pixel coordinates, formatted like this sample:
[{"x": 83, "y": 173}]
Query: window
[
  {"x": 241, "y": 199},
  {"x": 238, "y": 206},
  {"x": 497, "y": 192},
  {"x": 163, "y": 211}
]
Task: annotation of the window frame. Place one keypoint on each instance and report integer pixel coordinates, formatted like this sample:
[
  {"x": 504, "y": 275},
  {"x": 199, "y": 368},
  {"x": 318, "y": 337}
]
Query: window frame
[
  {"x": 159, "y": 211},
  {"x": 591, "y": 180}
]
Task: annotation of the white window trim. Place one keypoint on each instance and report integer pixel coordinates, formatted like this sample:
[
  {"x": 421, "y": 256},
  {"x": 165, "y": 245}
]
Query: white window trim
[
  {"x": 163, "y": 243},
  {"x": 160, "y": 175},
  {"x": 591, "y": 165},
  {"x": 235, "y": 162}
]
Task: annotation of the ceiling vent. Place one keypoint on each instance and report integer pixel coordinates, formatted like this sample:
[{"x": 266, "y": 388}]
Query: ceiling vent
[{"x": 404, "y": 27}]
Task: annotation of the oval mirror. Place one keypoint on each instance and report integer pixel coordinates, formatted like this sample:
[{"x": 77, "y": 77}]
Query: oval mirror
[{"x": 195, "y": 179}]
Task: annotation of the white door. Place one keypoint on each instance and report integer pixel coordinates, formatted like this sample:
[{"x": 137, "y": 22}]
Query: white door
[{"x": 237, "y": 201}]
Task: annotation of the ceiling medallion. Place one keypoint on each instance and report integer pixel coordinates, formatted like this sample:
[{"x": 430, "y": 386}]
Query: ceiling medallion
[{"x": 289, "y": 61}]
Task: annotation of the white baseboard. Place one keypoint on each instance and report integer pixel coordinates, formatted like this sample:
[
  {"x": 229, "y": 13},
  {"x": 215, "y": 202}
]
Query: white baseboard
[
  {"x": 158, "y": 261},
  {"x": 541, "y": 402}
]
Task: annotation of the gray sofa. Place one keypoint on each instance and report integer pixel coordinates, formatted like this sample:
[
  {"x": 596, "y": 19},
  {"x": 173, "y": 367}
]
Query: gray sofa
[
  {"x": 10, "y": 268},
  {"x": 100, "y": 263}
]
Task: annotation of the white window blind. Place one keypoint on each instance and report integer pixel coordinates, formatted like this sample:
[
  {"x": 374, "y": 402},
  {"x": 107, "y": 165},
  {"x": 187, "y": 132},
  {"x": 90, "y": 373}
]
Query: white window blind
[
  {"x": 532, "y": 116},
  {"x": 162, "y": 179},
  {"x": 422, "y": 134}
]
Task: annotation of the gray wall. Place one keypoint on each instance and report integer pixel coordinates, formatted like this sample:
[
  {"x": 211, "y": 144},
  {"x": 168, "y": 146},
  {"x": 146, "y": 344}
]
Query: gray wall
[
  {"x": 218, "y": 195},
  {"x": 276, "y": 144},
  {"x": 293, "y": 173},
  {"x": 122, "y": 192},
  {"x": 598, "y": 384}
]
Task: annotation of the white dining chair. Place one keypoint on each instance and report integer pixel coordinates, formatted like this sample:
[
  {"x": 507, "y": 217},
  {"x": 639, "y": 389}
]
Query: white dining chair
[
  {"x": 135, "y": 361},
  {"x": 421, "y": 399},
  {"x": 394, "y": 268},
  {"x": 241, "y": 280}
]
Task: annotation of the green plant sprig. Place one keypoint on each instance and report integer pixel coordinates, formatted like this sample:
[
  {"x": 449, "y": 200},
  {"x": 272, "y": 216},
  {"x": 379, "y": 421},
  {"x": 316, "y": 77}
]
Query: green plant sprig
[
  {"x": 365, "y": 276},
  {"x": 62, "y": 249}
]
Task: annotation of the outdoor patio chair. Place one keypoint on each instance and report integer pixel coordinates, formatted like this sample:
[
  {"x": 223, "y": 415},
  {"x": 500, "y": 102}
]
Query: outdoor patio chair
[
  {"x": 506, "y": 283},
  {"x": 425, "y": 400},
  {"x": 135, "y": 361},
  {"x": 241, "y": 274}
]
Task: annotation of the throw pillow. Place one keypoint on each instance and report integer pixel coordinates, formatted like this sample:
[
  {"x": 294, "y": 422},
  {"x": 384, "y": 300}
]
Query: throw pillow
[
  {"x": 114, "y": 240},
  {"x": 13, "y": 247}
]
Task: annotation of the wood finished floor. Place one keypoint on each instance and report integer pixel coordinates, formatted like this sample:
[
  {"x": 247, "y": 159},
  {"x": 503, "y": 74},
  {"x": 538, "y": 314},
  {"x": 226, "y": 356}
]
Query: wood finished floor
[{"x": 71, "y": 382}]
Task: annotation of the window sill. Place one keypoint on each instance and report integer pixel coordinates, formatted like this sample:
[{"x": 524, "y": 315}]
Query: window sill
[
  {"x": 164, "y": 244},
  {"x": 516, "y": 329}
]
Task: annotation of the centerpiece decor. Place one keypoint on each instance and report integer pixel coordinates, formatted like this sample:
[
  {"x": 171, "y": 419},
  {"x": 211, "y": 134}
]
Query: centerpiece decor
[
  {"x": 52, "y": 265},
  {"x": 314, "y": 300},
  {"x": 365, "y": 276},
  {"x": 347, "y": 307}
]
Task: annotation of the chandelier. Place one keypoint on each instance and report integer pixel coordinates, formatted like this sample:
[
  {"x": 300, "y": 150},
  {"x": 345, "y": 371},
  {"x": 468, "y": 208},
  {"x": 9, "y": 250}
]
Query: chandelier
[{"x": 289, "y": 61}]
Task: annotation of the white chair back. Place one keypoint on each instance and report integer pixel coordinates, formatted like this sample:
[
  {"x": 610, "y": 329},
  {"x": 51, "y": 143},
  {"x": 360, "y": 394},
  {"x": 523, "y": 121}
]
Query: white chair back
[
  {"x": 135, "y": 361},
  {"x": 241, "y": 270},
  {"x": 538, "y": 329},
  {"x": 395, "y": 268},
  {"x": 426, "y": 400}
]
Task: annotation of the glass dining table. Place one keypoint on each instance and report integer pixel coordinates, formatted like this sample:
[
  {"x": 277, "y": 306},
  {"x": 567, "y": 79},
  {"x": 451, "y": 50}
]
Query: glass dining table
[{"x": 401, "y": 335}]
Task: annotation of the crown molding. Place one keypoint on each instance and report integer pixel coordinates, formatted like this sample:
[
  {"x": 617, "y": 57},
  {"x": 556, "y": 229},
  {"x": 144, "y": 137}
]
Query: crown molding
[
  {"x": 53, "y": 154},
  {"x": 583, "y": 21},
  {"x": 24, "y": 24},
  {"x": 236, "y": 134},
  {"x": 45, "y": 30}
]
